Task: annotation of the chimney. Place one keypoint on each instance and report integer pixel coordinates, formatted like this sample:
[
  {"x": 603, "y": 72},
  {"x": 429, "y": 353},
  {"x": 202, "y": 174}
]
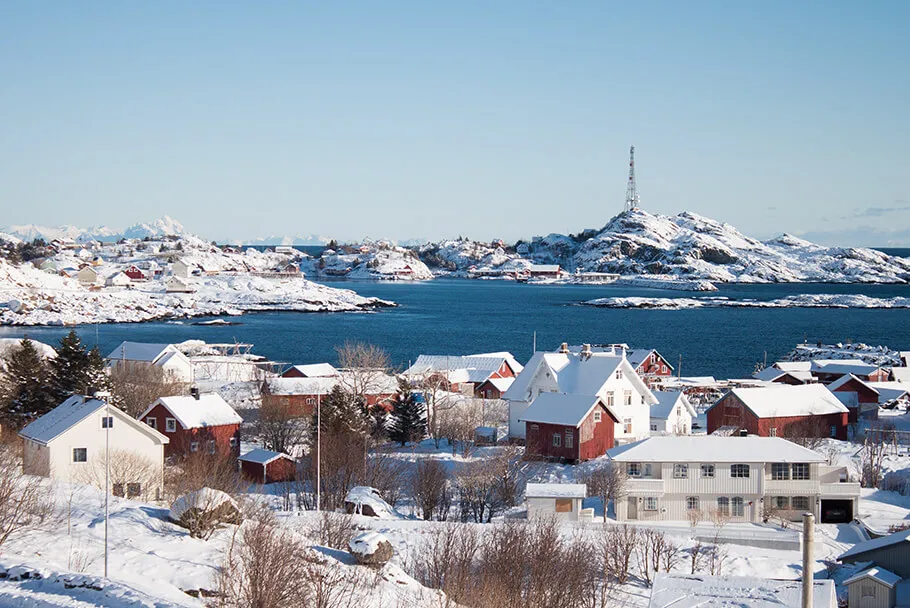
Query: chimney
[
  {"x": 585, "y": 351},
  {"x": 808, "y": 551},
  {"x": 194, "y": 391},
  {"x": 564, "y": 347}
]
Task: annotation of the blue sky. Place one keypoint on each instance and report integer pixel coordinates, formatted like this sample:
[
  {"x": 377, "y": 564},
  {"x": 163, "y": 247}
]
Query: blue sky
[{"x": 489, "y": 119}]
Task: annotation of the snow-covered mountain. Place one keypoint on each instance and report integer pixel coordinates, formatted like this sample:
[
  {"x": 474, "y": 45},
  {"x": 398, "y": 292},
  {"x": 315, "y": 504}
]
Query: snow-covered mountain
[
  {"x": 309, "y": 240},
  {"x": 687, "y": 246},
  {"x": 164, "y": 226}
]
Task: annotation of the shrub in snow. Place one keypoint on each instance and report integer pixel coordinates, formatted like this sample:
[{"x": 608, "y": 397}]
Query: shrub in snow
[
  {"x": 371, "y": 549},
  {"x": 897, "y": 481},
  {"x": 364, "y": 500},
  {"x": 202, "y": 511}
]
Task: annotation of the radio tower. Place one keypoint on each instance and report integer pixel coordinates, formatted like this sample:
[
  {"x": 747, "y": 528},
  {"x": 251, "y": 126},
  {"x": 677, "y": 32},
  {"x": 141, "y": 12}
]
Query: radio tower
[{"x": 632, "y": 190}]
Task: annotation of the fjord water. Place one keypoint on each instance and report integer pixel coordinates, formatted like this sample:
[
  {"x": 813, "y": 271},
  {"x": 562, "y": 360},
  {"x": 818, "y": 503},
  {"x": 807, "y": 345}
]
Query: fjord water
[{"x": 463, "y": 316}]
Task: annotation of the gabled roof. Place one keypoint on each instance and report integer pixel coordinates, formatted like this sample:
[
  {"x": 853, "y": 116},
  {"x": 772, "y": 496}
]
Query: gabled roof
[
  {"x": 711, "y": 448},
  {"x": 860, "y": 368},
  {"x": 771, "y": 374},
  {"x": 260, "y": 456},
  {"x": 901, "y": 374},
  {"x": 70, "y": 413},
  {"x": 788, "y": 400},
  {"x": 847, "y": 378},
  {"x": 140, "y": 351},
  {"x": 192, "y": 413},
  {"x": 478, "y": 367},
  {"x": 885, "y": 577},
  {"x": 876, "y": 543},
  {"x": 793, "y": 366},
  {"x": 637, "y": 356},
  {"x": 560, "y": 408},
  {"x": 501, "y": 384},
  {"x": 889, "y": 391},
  {"x": 556, "y": 490},
  {"x": 316, "y": 370},
  {"x": 666, "y": 402},
  {"x": 302, "y": 386}
]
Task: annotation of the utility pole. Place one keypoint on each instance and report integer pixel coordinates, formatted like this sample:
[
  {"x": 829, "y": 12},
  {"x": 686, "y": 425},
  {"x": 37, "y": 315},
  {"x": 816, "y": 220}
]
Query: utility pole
[
  {"x": 808, "y": 559},
  {"x": 632, "y": 200},
  {"x": 107, "y": 422},
  {"x": 318, "y": 446}
]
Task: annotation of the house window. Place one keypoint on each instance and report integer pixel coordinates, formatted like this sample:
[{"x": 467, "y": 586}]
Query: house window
[
  {"x": 723, "y": 505},
  {"x": 633, "y": 469},
  {"x": 627, "y": 426},
  {"x": 152, "y": 422},
  {"x": 678, "y": 411},
  {"x": 610, "y": 398},
  {"x": 107, "y": 422},
  {"x": 772, "y": 432},
  {"x": 233, "y": 442},
  {"x": 739, "y": 470},
  {"x": 680, "y": 471},
  {"x": 170, "y": 425},
  {"x": 868, "y": 591},
  {"x": 707, "y": 470},
  {"x": 654, "y": 426},
  {"x": 535, "y": 428},
  {"x": 563, "y": 505},
  {"x": 310, "y": 401},
  {"x": 834, "y": 432},
  {"x": 736, "y": 505},
  {"x": 650, "y": 503},
  {"x": 194, "y": 446},
  {"x": 663, "y": 369},
  {"x": 570, "y": 439},
  {"x": 800, "y": 503},
  {"x": 211, "y": 445},
  {"x": 598, "y": 416},
  {"x": 647, "y": 470},
  {"x": 781, "y": 503},
  {"x": 692, "y": 503},
  {"x": 557, "y": 440},
  {"x": 627, "y": 397},
  {"x": 117, "y": 489},
  {"x": 619, "y": 374},
  {"x": 780, "y": 470},
  {"x": 133, "y": 490},
  {"x": 801, "y": 470}
]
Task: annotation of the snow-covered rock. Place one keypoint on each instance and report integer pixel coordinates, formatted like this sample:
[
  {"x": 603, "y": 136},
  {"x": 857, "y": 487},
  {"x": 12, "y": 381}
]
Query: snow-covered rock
[
  {"x": 206, "y": 506},
  {"x": 371, "y": 549},
  {"x": 373, "y": 261},
  {"x": 798, "y": 301},
  {"x": 364, "y": 500}
]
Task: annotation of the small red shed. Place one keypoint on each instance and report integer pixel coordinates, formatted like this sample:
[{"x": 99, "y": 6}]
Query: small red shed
[
  {"x": 568, "y": 427},
  {"x": 265, "y": 466}
]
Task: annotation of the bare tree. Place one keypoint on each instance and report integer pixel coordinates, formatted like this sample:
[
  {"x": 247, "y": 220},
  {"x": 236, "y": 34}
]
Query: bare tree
[
  {"x": 365, "y": 368},
  {"x": 487, "y": 487},
  {"x": 130, "y": 475},
  {"x": 333, "y": 530},
  {"x": 198, "y": 470},
  {"x": 456, "y": 421},
  {"x": 280, "y": 428},
  {"x": 135, "y": 387},
  {"x": 618, "y": 545},
  {"x": 430, "y": 488},
  {"x": 434, "y": 389},
  {"x": 387, "y": 474},
  {"x": 608, "y": 482},
  {"x": 26, "y": 502},
  {"x": 872, "y": 456}
]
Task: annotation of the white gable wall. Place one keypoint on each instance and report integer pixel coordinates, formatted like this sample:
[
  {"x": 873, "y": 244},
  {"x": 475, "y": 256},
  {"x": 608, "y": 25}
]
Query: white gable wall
[
  {"x": 541, "y": 382},
  {"x": 638, "y": 413}
]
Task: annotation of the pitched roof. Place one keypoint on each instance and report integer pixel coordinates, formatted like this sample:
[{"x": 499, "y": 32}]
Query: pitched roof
[
  {"x": 208, "y": 410},
  {"x": 889, "y": 391},
  {"x": 501, "y": 384},
  {"x": 301, "y": 386},
  {"x": 139, "y": 351},
  {"x": 73, "y": 411},
  {"x": 637, "y": 356},
  {"x": 711, "y": 448},
  {"x": 560, "y": 408},
  {"x": 847, "y": 378},
  {"x": 885, "y": 577},
  {"x": 556, "y": 490},
  {"x": 876, "y": 543},
  {"x": 858, "y": 367},
  {"x": 666, "y": 402},
  {"x": 901, "y": 374},
  {"x": 793, "y": 366},
  {"x": 316, "y": 370},
  {"x": 771, "y": 374},
  {"x": 260, "y": 456},
  {"x": 789, "y": 400},
  {"x": 478, "y": 367},
  {"x": 706, "y": 591}
]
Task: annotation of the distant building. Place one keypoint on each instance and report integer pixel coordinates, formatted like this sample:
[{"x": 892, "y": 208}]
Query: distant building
[
  {"x": 672, "y": 414},
  {"x": 165, "y": 357},
  {"x": 562, "y": 500},
  {"x": 568, "y": 427},
  {"x": 265, "y": 466}
]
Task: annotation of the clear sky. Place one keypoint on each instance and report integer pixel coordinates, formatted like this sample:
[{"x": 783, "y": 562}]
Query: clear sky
[{"x": 429, "y": 119}]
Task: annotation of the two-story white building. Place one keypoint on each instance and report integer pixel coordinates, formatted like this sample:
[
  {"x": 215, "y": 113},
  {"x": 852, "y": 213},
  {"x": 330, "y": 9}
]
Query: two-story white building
[
  {"x": 743, "y": 478},
  {"x": 672, "y": 414},
  {"x": 606, "y": 375}
]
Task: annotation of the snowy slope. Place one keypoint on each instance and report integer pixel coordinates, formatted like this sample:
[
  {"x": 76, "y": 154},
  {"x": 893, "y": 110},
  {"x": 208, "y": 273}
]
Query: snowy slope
[
  {"x": 373, "y": 261},
  {"x": 158, "y": 228}
]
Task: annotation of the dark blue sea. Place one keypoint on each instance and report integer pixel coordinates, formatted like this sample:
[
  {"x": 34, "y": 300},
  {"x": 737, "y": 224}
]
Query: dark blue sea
[{"x": 462, "y": 316}]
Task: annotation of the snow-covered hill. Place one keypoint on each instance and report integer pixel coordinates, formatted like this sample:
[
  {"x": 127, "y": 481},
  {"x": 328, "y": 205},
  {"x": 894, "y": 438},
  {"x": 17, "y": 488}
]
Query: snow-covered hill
[
  {"x": 380, "y": 261},
  {"x": 161, "y": 227},
  {"x": 312, "y": 239}
]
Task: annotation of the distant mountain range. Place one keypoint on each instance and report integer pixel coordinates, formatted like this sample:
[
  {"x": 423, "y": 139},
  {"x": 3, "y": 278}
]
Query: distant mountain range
[{"x": 164, "y": 226}]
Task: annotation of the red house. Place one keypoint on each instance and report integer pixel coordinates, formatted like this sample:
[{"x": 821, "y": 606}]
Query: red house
[
  {"x": 860, "y": 398},
  {"x": 568, "y": 427},
  {"x": 135, "y": 273},
  {"x": 313, "y": 370},
  {"x": 265, "y": 466},
  {"x": 493, "y": 388},
  {"x": 828, "y": 370},
  {"x": 196, "y": 424},
  {"x": 649, "y": 363},
  {"x": 806, "y": 410}
]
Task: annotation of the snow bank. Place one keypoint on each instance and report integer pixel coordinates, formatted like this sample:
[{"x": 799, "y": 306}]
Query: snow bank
[
  {"x": 205, "y": 499},
  {"x": 798, "y": 301},
  {"x": 364, "y": 496}
]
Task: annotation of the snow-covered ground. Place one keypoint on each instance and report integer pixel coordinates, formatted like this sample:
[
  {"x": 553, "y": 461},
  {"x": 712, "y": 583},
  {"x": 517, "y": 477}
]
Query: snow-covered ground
[{"x": 797, "y": 301}]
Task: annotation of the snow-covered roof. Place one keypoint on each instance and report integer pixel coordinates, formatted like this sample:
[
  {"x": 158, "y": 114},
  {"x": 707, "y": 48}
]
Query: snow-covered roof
[
  {"x": 544, "y": 267},
  {"x": 847, "y": 378},
  {"x": 876, "y": 543},
  {"x": 192, "y": 413},
  {"x": 637, "y": 356},
  {"x": 260, "y": 456},
  {"x": 560, "y": 408},
  {"x": 885, "y": 577},
  {"x": 901, "y": 374},
  {"x": 770, "y": 374},
  {"x": 556, "y": 490},
  {"x": 666, "y": 402},
  {"x": 139, "y": 351},
  {"x": 501, "y": 384},
  {"x": 691, "y": 381},
  {"x": 793, "y": 366},
  {"x": 706, "y": 591},
  {"x": 316, "y": 370},
  {"x": 302, "y": 386},
  {"x": 712, "y": 448},
  {"x": 70, "y": 412},
  {"x": 840, "y": 367},
  {"x": 889, "y": 391},
  {"x": 478, "y": 367},
  {"x": 789, "y": 400}
]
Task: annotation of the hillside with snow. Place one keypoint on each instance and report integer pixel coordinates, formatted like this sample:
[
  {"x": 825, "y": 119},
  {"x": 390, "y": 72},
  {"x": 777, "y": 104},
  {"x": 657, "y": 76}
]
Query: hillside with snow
[{"x": 164, "y": 226}]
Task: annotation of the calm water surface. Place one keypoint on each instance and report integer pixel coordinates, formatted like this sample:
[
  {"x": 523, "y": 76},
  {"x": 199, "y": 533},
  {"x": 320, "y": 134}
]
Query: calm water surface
[{"x": 461, "y": 316}]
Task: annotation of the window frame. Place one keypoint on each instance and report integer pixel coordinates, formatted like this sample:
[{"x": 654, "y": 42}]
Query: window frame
[
  {"x": 805, "y": 471},
  {"x": 723, "y": 506},
  {"x": 170, "y": 425},
  {"x": 650, "y": 503},
  {"x": 627, "y": 397},
  {"x": 82, "y": 452},
  {"x": 708, "y": 470},
  {"x": 780, "y": 471},
  {"x": 557, "y": 440},
  {"x": 690, "y": 501},
  {"x": 107, "y": 422},
  {"x": 194, "y": 446},
  {"x": 793, "y": 505},
  {"x": 653, "y": 427},
  {"x": 569, "y": 438},
  {"x": 737, "y": 507},
  {"x": 782, "y": 503},
  {"x": 740, "y": 470},
  {"x": 212, "y": 446},
  {"x": 627, "y": 426},
  {"x": 598, "y": 416},
  {"x": 152, "y": 421},
  {"x": 681, "y": 470},
  {"x": 633, "y": 469},
  {"x": 610, "y": 398}
]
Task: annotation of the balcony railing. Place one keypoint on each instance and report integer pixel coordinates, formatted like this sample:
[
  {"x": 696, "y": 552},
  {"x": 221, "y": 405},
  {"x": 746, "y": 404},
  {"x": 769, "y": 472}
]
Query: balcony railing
[
  {"x": 639, "y": 485},
  {"x": 846, "y": 489}
]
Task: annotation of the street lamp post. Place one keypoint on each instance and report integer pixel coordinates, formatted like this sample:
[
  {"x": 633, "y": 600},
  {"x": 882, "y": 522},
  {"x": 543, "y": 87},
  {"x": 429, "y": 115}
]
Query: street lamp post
[
  {"x": 108, "y": 422},
  {"x": 318, "y": 452}
]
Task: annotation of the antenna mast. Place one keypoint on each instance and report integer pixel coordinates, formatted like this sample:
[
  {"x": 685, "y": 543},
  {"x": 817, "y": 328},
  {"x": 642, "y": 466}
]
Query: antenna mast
[{"x": 632, "y": 201}]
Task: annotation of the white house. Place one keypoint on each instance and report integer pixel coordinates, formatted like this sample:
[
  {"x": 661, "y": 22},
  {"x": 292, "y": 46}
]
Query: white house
[
  {"x": 744, "y": 478},
  {"x": 606, "y": 375},
  {"x": 672, "y": 414},
  {"x": 562, "y": 500},
  {"x": 88, "y": 276},
  {"x": 165, "y": 357},
  {"x": 119, "y": 279},
  {"x": 178, "y": 285},
  {"x": 180, "y": 269},
  {"x": 70, "y": 443}
]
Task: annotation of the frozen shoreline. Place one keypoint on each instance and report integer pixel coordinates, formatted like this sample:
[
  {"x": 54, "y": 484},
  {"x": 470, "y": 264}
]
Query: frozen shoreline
[{"x": 798, "y": 301}]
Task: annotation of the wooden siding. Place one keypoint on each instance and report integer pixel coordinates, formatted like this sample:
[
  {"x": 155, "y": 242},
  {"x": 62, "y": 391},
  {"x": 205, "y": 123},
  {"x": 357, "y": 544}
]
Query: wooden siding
[
  {"x": 895, "y": 558},
  {"x": 731, "y": 411},
  {"x": 280, "y": 469},
  {"x": 589, "y": 439},
  {"x": 181, "y": 439},
  {"x": 884, "y": 596}
]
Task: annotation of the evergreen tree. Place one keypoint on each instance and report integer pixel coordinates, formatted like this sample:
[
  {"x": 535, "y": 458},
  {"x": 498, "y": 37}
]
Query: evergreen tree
[
  {"x": 70, "y": 368},
  {"x": 342, "y": 413},
  {"x": 26, "y": 394},
  {"x": 409, "y": 422},
  {"x": 96, "y": 376}
]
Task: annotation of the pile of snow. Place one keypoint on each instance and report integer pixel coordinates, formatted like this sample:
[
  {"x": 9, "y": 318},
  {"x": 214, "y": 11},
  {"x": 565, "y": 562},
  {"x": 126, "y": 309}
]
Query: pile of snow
[
  {"x": 873, "y": 355},
  {"x": 797, "y": 301},
  {"x": 371, "y": 549},
  {"x": 364, "y": 500},
  {"x": 205, "y": 502}
]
